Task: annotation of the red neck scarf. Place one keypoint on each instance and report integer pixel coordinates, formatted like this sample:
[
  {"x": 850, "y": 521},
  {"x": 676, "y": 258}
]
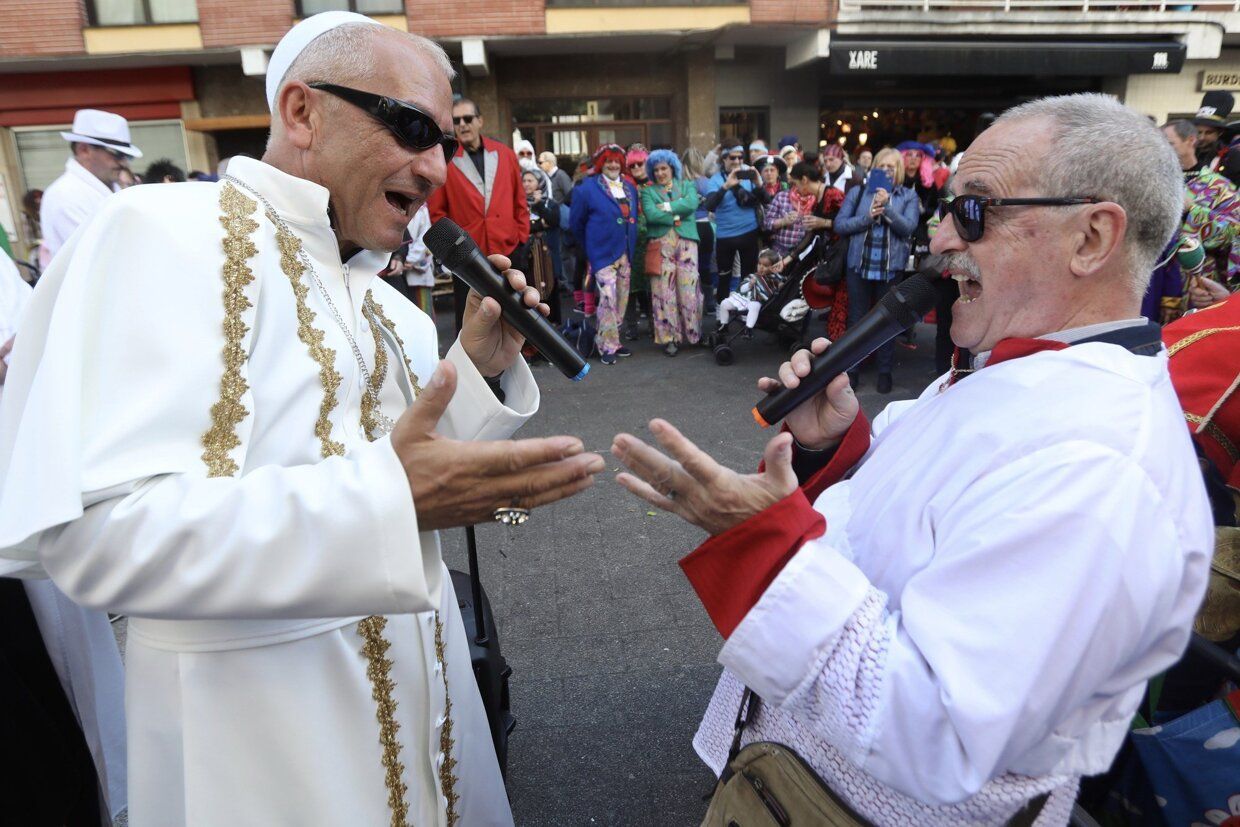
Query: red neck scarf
[
  {"x": 803, "y": 203},
  {"x": 1004, "y": 351}
]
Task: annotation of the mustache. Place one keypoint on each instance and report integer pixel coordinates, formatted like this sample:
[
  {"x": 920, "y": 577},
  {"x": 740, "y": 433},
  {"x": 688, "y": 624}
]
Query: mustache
[{"x": 962, "y": 263}]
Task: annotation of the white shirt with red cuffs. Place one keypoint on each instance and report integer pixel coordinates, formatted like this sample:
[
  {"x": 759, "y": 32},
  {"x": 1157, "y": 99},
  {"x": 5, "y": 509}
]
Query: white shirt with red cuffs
[{"x": 968, "y": 620}]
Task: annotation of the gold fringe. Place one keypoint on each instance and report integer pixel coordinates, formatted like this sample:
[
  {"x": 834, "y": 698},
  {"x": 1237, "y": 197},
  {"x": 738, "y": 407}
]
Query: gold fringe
[
  {"x": 370, "y": 400},
  {"x": 1193, "y": 338},
  {"x": 378, "y": 312},
  {"x": 379, "y": 671},
  {"x": 447, "y": 772},
  {"x": 290, "y": 246},
  {"x": 1216, "y": 433},
  {"x": 228, "y": 412}
]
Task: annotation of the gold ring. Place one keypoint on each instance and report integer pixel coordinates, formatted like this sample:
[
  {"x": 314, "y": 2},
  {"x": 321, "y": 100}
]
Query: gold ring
[{"x": 511, "y": 515}]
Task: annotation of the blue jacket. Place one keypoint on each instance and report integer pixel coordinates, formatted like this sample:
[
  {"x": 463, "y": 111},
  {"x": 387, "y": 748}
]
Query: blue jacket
[
  {"x": 901, "y": 216},
  {"x": 601, "y": 230},
  {"x": 736, "y": 213}
]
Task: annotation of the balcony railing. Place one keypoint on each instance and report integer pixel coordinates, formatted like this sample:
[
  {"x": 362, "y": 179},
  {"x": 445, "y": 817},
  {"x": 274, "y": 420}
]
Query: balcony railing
[{"x": 1083, "y": 6}]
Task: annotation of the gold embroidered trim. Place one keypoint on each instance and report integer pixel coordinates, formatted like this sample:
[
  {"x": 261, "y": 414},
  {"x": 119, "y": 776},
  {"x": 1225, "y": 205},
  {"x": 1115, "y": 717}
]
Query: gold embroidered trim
[
  {"x": 227, "y": 413},
  {"x": 447, "y": 770},
  {"x": 377, "y": 309},
  {"x": 1193, "y": 338},
  {"x": 1216, "y": 433},
  {"x": 379, "y": 671},
  {"x": 290, "y": 246},
  {"x": 370, "y": 400}
]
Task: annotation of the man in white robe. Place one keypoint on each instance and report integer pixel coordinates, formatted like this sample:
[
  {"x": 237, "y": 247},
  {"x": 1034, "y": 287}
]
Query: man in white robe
[
  {"x": 204, "y": 448},
  {"x": 952, "y": 615},
  {"x": 100, "y": 149}
]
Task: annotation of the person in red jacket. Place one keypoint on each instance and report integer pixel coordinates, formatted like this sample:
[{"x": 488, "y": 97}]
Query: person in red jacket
[{"x": 483, "y": 195}]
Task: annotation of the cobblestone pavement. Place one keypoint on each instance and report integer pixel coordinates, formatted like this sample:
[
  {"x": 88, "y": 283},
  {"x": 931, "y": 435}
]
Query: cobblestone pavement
[{"x": 613, "y": 656}]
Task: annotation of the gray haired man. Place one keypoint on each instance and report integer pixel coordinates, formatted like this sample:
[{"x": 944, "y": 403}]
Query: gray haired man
[{"x": 951, "y": 614}]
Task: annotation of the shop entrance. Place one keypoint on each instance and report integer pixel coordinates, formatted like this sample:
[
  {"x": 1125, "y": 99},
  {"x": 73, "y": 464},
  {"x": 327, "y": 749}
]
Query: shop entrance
[
  {"x": 574, "y": 127},
  {"x": 880, "y": 112}
]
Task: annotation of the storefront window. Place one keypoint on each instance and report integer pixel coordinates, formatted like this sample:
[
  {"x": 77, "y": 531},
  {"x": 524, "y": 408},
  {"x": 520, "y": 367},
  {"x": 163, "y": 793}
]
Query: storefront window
[
  {"x": 873, "y": 129},
  {"x": 305, "y": 8},
  {"x": 573, "y": 127},
  {"x": 141, "y": 12},
  {"x": 745, "y": 124},
  {"x": 42, "y": 152}
]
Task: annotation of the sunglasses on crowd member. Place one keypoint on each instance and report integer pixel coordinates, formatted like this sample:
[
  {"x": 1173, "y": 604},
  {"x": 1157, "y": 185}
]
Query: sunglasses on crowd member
[
  {"x": 969, "y": 211},
  {"x": 526, "y": 154},
  {"x": 736, "y": 157},
  {"x": 457, "y": 120},
  {"x": 411, "y": 126}
]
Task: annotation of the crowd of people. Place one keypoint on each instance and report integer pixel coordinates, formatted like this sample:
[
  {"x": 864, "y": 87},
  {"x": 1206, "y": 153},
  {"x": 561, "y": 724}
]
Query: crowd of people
[{"x": 946, "y": 616}]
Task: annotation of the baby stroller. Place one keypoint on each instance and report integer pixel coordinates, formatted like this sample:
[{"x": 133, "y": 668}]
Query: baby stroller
[{"x": 778, "y": 315}]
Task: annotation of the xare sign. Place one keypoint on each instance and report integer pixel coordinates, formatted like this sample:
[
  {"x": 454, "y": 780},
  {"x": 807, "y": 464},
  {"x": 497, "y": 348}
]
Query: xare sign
[
  {"x": 863, "y": 59},
  {"x": 1099, "y": 58}
]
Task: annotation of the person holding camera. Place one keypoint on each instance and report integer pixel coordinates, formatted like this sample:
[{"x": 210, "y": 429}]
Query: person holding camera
[
  {"x": 735, "y": 196},
  {"x": 879, "y": 220}
]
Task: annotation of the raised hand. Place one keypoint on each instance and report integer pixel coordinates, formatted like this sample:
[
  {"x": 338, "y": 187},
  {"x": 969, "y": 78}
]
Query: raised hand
[
  {"x": 694, "y": 486},
  {"x": 457, "y": 483},
  {"x": 822, "y": 420}
]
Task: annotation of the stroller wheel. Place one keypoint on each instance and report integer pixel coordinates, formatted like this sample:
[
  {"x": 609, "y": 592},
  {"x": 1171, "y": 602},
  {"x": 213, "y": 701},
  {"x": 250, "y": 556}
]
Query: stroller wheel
[{"x": 724, "y": 355}]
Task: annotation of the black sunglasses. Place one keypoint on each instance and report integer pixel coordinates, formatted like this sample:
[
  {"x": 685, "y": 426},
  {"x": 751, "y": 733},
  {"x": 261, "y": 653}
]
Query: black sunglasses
[
  {"x": 463, "y": 119},
  {"x": 969, "y": 211},
  {"x": 411, "y": 126}
]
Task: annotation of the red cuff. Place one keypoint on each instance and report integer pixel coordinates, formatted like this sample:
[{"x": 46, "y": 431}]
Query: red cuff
[
  {"x": 849, "y": 452},
  {"x": 732, "y": 570}
]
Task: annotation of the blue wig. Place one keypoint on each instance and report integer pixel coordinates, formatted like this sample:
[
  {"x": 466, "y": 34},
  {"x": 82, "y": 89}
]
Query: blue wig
[{"x": 663, "y": 156}]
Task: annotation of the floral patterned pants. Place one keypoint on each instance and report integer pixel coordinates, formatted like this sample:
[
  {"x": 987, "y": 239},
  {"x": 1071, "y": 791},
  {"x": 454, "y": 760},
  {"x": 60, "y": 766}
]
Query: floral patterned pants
[
  {"x": 613, "y": 297},
  {"x": 674, "y": 292}
]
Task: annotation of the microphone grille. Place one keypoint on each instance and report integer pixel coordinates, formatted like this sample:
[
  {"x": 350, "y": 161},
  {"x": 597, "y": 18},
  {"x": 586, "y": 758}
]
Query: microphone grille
[
  {"x": 448, "y": 242},
  {"x": 911, "y": 299}
]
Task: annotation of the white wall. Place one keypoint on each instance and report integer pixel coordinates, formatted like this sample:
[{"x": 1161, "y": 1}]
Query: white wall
[{"x": 1162, "y": 95}]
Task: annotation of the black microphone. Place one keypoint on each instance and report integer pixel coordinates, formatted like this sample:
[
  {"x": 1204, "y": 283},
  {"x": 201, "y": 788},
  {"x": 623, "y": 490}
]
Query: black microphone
[
  {"x": 458, "y": 252},
  {"x": 899, "y": 310}
]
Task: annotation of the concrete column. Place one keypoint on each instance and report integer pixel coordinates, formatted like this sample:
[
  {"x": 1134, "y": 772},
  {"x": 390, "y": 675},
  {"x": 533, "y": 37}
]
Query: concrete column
[
  {"x": 484, "y": 91},
  {"x": 200, "y": 147},
  {"x": 703, "y": 125}
]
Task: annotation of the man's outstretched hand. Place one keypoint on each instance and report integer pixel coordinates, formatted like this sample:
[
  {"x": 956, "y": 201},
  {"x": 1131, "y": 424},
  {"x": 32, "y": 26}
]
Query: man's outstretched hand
[
  {"x": 693, "y": 486},
  {"x": 456, "y": 483}
]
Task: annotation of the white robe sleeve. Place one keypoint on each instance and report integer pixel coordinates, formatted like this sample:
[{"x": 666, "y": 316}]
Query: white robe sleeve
[
  {"x": 333, "y": 539},
  {"x": 1059, "y": 582},
  {"x": 476, "y": 413}
]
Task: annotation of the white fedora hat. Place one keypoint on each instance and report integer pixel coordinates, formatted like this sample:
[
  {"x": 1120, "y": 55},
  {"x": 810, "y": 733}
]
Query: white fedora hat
[{"x": 105, "y": 129}]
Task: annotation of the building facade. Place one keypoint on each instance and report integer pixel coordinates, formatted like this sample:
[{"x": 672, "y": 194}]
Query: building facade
[{"x": 570, "y": 74}]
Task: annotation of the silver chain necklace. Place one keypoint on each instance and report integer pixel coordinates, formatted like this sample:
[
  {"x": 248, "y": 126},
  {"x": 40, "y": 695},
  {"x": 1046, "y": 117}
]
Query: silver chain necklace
[{"x": 385, "y": 423}]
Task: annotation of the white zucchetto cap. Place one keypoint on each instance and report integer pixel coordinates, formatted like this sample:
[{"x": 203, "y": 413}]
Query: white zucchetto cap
[{"x": 297, "y": 39}]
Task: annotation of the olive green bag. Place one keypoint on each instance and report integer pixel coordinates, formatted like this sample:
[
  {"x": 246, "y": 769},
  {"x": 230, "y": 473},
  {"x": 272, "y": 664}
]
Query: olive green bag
[{"x": 768, "y": 784}]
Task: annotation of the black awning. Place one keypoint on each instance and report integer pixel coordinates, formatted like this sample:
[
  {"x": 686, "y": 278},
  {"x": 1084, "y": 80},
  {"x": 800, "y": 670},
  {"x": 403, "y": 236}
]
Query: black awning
[{"x": 881, "y": 57}]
